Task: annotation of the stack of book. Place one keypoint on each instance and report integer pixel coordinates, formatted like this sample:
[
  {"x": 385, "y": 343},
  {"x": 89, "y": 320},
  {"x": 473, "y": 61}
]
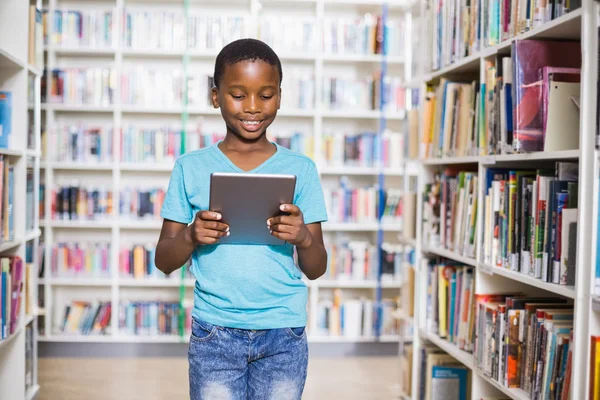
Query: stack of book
[
  {"x": 12, "y": 275},
  {"x": 137, "y": 203},
  {"x": 80, "y": 143},
  {"x": 81, "y": 28},
  {"x": 153, "y": 319},
  {"x": 525, "y": 342},
  {"x": 450, "y": 212},
  {"x": 460, "y": 29},
  {"x": 363, "y": 94},
  {"x": 290, "y": 35},
  {"x": 365, "y": 149},
  {"x": 91, "y": 86},
  {"x": 298, "y": 142},
  {"x": 81, "y": 203},
  {"x": 81, "y": 260},
  {"x": 530, "y": 221},
  {"x": 85, "y": 318}
]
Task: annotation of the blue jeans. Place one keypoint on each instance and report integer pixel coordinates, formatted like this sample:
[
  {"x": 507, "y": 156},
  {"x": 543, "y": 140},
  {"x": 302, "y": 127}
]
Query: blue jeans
[{"x": 238, "y": 364}]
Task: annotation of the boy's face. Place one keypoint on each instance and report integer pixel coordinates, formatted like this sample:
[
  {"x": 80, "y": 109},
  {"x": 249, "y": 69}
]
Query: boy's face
[{"x": 249, "y": 96}]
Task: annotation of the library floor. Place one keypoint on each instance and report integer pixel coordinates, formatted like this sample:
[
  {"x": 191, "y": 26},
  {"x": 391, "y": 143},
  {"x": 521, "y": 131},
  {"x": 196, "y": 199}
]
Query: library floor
[{"x": 364, "y": 378}]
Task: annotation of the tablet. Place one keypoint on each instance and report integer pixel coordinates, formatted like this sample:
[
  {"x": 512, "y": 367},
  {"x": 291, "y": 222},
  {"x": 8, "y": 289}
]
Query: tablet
[{"x": 246, "y": 201}]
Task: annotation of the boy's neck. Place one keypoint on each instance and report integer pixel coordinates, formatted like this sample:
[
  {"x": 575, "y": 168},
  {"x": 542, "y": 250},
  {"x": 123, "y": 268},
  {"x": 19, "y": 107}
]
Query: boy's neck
[{"x": 232, "y": 143}]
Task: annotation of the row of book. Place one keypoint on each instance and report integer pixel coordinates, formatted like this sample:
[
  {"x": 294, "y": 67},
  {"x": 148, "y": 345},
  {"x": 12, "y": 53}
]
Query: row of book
[
  {"x": 85, "y": 318},
  {"x": 156, "y": 87},
  {"x": 530, "y": 221},
  {"x": 365, "y": 149},
  {"x": 91, "y": 86},
  {"x": 81, "y": 259},
  {"x": 92, "y": 143},
  {"x": 35, "y": 45},
  {"x": 364, "y": 35},
  {"x": 7, "y": 193},
  {"x": 524, "y": 104},
  {"x": 81, "y": 143},
  {"x": 449, "y": 302},
  {"x": 355, "y": 317},
  {"x": 74, "y": 202},
  {"x": 367, "y": 93},
  {"x": 135, "y": 203},
  {"x": 440, "y": 375},
  {"x": 12, "y": 281},
  {"x": 137, "y": 262},
  {"x": 154, "y": 319},
  {"x": 166, "y": 30},
  {"x": 450, "y": 212},
  {"x": 79, "y": 28},
  {"x": 356, "y": 260},
  {"x": 520, "y": 341},
  {"x": 460, "y": 28},
  {"x": 162, "y": 29},
  {"x": 363, "y": 205},
  {"x": 525, "y": 342}
]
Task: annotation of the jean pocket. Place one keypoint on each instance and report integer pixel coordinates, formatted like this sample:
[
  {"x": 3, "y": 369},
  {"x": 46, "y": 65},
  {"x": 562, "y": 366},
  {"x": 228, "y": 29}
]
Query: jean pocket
[
  {"x": 296, "y": 333},
  {"x": 202, "y": 330}
]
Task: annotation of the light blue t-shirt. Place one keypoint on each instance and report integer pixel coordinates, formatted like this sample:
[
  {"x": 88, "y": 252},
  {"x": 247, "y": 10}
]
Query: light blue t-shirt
[{"x": 244, "y": 286}]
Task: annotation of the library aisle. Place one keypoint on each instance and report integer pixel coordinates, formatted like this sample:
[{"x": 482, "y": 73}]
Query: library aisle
[{"x": 457, "y": 144}]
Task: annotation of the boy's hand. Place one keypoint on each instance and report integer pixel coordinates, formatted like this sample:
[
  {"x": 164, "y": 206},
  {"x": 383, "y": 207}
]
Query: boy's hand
[
  {"x": 290, "y": 228},
  {"x": 206, "y": 228}
]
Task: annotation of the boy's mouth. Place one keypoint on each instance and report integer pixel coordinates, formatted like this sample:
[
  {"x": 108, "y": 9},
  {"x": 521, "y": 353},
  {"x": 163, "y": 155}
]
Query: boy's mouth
[{"x": 251, "y": 125}]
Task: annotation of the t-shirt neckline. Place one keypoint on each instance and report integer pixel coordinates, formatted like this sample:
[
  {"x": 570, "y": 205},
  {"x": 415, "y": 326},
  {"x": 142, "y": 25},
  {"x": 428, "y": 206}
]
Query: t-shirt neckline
[{"x": 228, "y": 161}]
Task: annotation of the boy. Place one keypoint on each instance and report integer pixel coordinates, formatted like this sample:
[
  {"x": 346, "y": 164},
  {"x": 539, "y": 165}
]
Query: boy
[{"x": 248, "y": 331}]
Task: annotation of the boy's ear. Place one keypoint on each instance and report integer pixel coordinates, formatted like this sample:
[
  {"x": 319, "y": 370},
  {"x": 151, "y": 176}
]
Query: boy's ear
[{"x": 214, "y": 94}]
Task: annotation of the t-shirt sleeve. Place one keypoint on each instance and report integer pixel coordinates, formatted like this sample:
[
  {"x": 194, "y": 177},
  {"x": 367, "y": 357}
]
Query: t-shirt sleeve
[
  {"x": 310, "y": 198},
  {"x": 176, "y": 205}
]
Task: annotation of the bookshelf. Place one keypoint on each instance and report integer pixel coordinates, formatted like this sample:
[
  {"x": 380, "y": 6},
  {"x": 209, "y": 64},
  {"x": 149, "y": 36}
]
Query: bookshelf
[
  {"x": 580, "y": 24},
  {"x": 20, "y": 77},
  {"x": 312, "y": 121}
]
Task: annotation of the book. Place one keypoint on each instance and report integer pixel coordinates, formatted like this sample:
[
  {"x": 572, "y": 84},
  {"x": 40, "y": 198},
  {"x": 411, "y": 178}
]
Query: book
[
  {"x": 594, "y": 391},
  {"x": 154, "y": 318},
  {"x": 449, "y": 382},
  {"x": 5, "y": 119},
  {"x": 35, "y": 55},
  {"x": 529, "y": 56}
]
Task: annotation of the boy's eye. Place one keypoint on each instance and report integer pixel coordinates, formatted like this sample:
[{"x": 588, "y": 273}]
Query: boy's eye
[
  {"x": 266, "y": 97},
  {"x": 237, "y": 97}
]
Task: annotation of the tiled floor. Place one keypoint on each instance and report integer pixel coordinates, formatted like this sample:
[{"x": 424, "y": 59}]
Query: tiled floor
[{"x": 364, "y": 378}]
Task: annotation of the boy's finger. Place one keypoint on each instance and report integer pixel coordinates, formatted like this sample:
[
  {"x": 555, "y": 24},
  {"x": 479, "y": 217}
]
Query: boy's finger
[
  {"x": 214, "y": 225},
  {"x": 215, "y": 234},
  {"x": 282, "y": 228},
  {"x": 206, "y": 215},
  {"x": 282, "y": 219},
  {"x": 281, "y": 235},
  {"x": 290, "y": 208}
]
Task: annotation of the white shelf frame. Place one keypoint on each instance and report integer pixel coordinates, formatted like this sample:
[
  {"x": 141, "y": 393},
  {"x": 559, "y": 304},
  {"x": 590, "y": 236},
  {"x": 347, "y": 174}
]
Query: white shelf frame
[
  {"x": 15, "y": 73},
  {"x": 117, "y": 169},
  {"x": 585, "y": 18}
]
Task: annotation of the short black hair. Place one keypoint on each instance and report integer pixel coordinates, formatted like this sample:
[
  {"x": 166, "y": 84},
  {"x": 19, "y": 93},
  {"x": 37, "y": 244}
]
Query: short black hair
[{"x": 245, "y": 50}]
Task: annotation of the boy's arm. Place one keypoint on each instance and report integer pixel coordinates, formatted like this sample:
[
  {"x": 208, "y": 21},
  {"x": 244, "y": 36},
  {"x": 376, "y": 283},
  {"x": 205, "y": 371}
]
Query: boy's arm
[
  {"x": 312, "y": 256},
  {"x": 174, "y": 247},
  {"x": 308, "y": 239},
  {"x": 178, "y": 241}
]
